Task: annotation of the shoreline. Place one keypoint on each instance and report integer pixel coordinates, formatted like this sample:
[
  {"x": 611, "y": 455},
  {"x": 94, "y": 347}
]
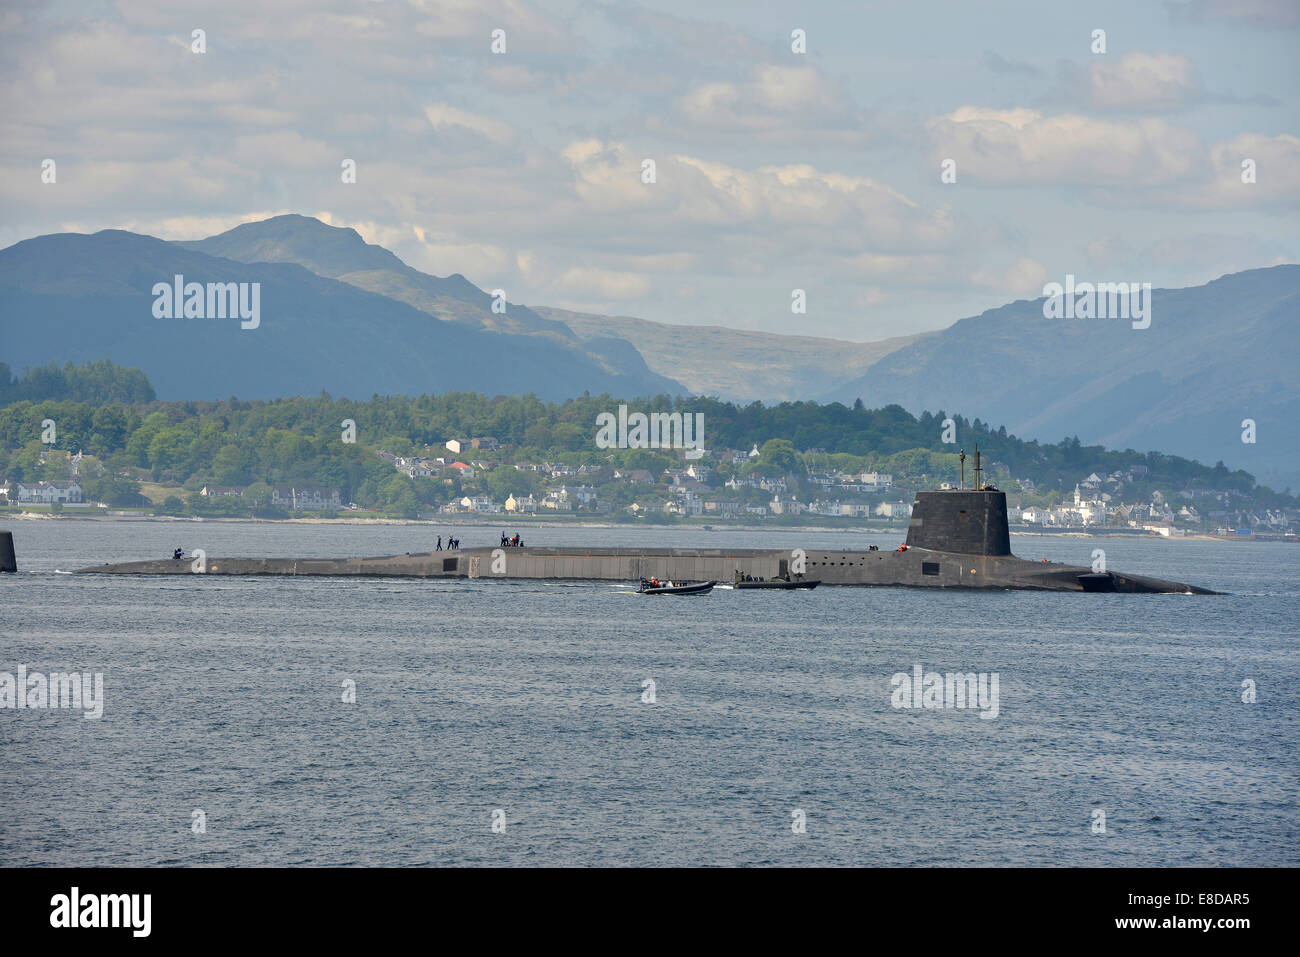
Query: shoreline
[{"x": 465, "y": 522}]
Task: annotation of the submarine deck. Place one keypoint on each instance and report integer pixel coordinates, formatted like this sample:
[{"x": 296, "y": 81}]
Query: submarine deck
[{"x": 914, "y": 567}]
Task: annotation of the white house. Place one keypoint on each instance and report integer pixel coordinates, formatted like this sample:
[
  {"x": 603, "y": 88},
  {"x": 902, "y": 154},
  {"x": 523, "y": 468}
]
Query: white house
[
  {"x": 308, "y": 498},
  {"x": 48, "y": 493},
  {"x": 787, "y": 507},
  {"x": 558, "y": 500}
]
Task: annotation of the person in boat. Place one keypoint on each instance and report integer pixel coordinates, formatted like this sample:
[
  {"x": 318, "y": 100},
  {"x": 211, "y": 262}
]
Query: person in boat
[
  {"x": 514, "y": 542},
  {"x": 178, "y": 553},
  {"x": 654, "y": 582},
  {"x": 505, "y": 542}
]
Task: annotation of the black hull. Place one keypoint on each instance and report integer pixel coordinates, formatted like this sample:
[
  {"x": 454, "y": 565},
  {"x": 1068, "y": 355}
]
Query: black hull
[{"x": 702, "y": 588}]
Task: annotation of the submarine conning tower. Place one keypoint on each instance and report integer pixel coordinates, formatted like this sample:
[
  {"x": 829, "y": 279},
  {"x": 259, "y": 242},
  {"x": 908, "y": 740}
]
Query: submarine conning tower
[
  {"x": 8, "y": 563},
  {"x": 968, "y": 521}
]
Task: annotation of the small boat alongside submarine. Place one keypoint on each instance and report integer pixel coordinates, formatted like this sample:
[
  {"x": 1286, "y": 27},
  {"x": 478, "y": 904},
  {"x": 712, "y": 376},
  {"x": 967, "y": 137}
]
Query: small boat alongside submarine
[{"x": 649, "y": 587}]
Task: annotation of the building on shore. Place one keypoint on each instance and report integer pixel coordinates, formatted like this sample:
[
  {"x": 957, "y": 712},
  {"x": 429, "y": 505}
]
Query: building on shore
[
  {"x": 49, "y": 493},
  {"x": 222, "y": 491},
  {"x": 306, "y": 498}
]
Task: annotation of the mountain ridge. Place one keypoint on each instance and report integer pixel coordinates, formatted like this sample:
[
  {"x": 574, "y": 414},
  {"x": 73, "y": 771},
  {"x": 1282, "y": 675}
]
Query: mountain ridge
[
  {"x": 93, "y": 296},
  {"x": 1214, "y": 356}
]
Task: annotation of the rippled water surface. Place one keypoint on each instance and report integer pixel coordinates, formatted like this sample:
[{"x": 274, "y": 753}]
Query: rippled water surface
[{"x": 224, "y": 694}]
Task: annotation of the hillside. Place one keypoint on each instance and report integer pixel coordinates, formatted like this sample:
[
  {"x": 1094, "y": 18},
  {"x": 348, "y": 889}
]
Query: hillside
[
  {"x": 342, "y": 254},
  {"x": 82, "y": 297},
  {"x": 1213, "y": 356},
  {"x": 703, "y": 359},
  {"x": 734, "y": 364}
]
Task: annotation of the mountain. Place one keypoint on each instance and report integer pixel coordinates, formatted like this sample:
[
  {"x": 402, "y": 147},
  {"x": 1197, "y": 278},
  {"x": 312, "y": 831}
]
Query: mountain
[
  {"x": 734, "y": 364},
  {"x": 341, "y": 253},
  {"x": 1213, "y": 356},
  {"x": 704, "y": 359},
  {"x": 82, "y": 297}
]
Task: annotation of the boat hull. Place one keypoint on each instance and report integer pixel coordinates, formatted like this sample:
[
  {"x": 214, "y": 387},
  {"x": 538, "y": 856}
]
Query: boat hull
[{"x": 700, "y": 588}]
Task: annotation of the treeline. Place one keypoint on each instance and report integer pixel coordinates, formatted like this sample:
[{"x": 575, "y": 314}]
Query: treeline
[
  {"x": 300, "y": 441},
  {"x": 99, "y": 381}
]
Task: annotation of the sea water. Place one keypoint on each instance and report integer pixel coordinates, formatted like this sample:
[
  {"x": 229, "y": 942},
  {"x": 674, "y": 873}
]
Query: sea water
[{"x": 318, "y": 721}]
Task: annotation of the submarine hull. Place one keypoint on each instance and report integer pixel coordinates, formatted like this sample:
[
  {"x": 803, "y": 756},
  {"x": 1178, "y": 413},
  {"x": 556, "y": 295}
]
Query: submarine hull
[
  {"x": 957, "y": 539},
  {"x": 915, "y": 567},
  {"x": 931, "y": 568}
]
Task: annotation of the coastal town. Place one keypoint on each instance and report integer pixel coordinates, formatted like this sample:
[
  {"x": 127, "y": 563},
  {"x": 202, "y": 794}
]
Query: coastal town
[{"x": 726, "y": 486}]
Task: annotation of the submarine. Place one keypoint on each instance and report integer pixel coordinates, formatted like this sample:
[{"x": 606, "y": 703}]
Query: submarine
[{"x": 958, "y": 538}]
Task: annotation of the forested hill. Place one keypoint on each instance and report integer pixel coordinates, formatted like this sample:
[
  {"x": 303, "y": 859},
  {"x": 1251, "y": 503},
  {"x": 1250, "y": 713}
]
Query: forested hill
[
  {"x": 99, "y": 381},
  {"x": 298, "y": 439}
]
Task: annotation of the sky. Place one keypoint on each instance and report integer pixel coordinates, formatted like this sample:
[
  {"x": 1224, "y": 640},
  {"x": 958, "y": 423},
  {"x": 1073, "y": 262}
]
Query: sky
[{"x": 775, "y": 170}]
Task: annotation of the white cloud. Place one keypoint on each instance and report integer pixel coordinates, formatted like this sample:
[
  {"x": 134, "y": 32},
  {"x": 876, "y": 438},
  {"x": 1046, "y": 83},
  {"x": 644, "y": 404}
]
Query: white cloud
[
  {"x": 442, "y": 116},
  {"x": 1277, "y": 171},
  {"x": 1021, "y": 146},
  {"x": 1139, "y": 81},
  {"x": 775, "y": 103}
]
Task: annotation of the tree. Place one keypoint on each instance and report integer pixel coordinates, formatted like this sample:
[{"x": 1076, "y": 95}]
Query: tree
[
  {"x": 503, "y": 482},
  {"x": 116, "y": 490},
  {"x": 259, "y": 493},
  {"x": 171, "y": 505},
  {"x": 778, "y": 457}
]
